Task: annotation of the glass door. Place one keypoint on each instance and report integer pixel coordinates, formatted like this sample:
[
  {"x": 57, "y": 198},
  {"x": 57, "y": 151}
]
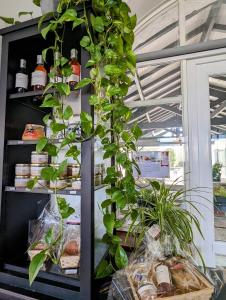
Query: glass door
[{"x": 205, "y": 123}]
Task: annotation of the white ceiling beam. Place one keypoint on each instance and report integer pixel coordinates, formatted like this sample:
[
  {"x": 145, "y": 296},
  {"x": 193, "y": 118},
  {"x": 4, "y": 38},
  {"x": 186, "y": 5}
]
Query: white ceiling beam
[
  {"x": 156, "y": 101},
  {"x": 140, "y": 91},
  {"x": 218, "y": 110}
]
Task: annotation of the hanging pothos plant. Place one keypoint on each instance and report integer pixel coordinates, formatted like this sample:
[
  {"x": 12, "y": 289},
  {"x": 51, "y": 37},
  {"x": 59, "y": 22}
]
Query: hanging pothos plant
[{"x": 109, "y": 40}]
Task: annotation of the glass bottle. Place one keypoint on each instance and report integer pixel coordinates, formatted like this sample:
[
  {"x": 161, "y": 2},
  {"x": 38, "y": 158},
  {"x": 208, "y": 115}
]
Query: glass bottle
[
  {"x": 39, "y": 76},
  {"x": 74, "y": 78},
  {"x": 21, "y": 83},
  {"x": 56, "y": 74}
]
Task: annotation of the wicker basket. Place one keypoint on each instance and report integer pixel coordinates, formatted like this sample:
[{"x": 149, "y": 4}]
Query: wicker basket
[{"x": 204, "y": 294}]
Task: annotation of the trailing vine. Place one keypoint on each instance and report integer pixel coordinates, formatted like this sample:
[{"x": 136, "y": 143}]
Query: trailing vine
[{"x": 109, "y": 40}]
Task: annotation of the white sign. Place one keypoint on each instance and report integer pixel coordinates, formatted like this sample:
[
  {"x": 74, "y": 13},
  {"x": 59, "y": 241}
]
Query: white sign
[{"x": 153, "y": 164}]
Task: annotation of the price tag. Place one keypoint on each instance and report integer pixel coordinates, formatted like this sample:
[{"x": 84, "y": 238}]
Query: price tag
[
  {"x": 20, "y": 142},
  {"x": 73, "y": 193},
  {"x": 11, "y": 188}
]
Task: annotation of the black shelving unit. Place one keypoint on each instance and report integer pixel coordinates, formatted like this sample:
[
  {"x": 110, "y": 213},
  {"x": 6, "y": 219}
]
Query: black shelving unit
[{"x": 18, "y": 206}]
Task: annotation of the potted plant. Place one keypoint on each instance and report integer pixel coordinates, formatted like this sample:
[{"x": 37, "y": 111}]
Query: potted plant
[
  {"x": 216, "y": 171},
  {"x": 162, "y": 205},
  {"x": 219, "y": 200}
]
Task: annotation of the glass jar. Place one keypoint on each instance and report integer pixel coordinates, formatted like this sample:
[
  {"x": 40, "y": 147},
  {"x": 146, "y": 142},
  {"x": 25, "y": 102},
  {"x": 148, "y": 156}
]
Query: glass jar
[
  {"x": 39, "y": 158},
  {"x": 36, "y": 169},
  {"x": 77, "y": 184},
  {"x": 73, "y": 170},
  {"x": 21, "y": 181},
  {"x": 40, "y": 184},
  {"x": 22, "y": 170},
  {"x": 56, "y": 166},
  {"x": 59, "y": 184}
]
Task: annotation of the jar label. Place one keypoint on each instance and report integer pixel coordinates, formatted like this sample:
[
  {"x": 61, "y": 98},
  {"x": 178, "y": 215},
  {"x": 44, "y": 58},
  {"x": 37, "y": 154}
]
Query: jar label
[
  {"x": 21, "y": 81},
  {"x": 38, "y": 78},
  {"x": 162, "y": 274},
  {"x": 147, "y": 287}
]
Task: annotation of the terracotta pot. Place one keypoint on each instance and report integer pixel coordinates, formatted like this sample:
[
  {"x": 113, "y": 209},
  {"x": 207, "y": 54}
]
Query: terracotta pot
[{"x": 48, "y": 6}]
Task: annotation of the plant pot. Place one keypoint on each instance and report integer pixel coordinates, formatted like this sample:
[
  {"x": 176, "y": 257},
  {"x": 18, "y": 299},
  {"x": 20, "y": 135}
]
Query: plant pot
[{"x": 48, "y": 6}]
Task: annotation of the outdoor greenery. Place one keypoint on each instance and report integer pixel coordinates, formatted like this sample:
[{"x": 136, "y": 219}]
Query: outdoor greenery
[{"x": 217, "y": 171}]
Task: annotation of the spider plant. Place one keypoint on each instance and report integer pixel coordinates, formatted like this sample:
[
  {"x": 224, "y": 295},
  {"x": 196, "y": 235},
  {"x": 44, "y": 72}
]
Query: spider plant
[{"x": 162, "y": 205}]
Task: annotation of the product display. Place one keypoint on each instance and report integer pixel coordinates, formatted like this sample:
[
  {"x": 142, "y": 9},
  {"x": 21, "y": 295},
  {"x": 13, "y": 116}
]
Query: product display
[
  {"x": 39, "y": 76},
  {"x": 56, "y": 166},
  {"x": 21, "y": 181},
  {"x": 73, "y": 170},
  {"x": 41, "y": 183},
  {"x": 21, "y": 82},
  {"x": 160, "y": 269},
  {"x": 36, "y": 169},
  {"x": 39, "y": 158},
  {"x": 59, "y": 184},
  {"x": 22, "y": 170},
  {"x": 74, "y": 78},
  {"x": 77, "y": 184},
  {"x": 33, "y": 132}
]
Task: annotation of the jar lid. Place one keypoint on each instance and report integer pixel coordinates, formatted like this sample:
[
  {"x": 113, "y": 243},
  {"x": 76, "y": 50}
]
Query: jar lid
[
  {"x": 39, "y": 153},
  {"x": 22, "y": 165},
  {"x": 73, "y": 165},
  {"x": 39, "y": 178},
  {"x": 22, "y": 177},
  {"x": 36, "y": 125}
]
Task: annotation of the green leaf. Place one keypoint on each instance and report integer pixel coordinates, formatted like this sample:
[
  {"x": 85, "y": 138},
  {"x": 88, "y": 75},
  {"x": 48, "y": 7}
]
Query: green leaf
[
  {"x": 106, "y": 203},
  {"x": 77, "y": 22},
  {"x": 57, "y": 127},
  {"x": 90, "y": 63},
  {"x": 86, "y": 122},
  {"x": 104, "y": 270},
  {"x": 116, "y": 239},
  {"x": 44, "y": 52},
  {"x": 119, "y": 198},
  {"x": 155, "y": 184},
  {"x": 113, "y": 70},
  {"x": 49, "y": 174},
  {"x": 68, "y": 113},
  {"x": 68, "y": 16},
  {"x": 83, "y": 82},
  {"x": 109, "y": 222},
  {"x": 62, "y": 168},
  {"x": 51, "y": 149},
  {"x": 65, "y": 210},
  {"x": 85, "y": 41},
  {"x": 113, "y": 91},
  {"x": 31, "y": 183},
  {"x": 73, "y": 152},
  {"x": 137, "y": 132},
  {"x": 24, "y": 13},
  {"x": 93, "y": 100},
  {"x": 37, "y": 2},
  {"x": 8, "y": 20},
  {"x": 35, "y": 265},
  {"x": 46, "y": 118},
  {"x": 121, "y": 258},
  {"x": 63, "y": 61},
  {"x": 41, "y": 144},
  {"x": 50, "y": 101},
  {"x": 97, "y": 23},
  {"x": 49, "y": 236},
  {"x": 133, "y": 21},
  {"x": 63, "y": 88},
  {"x": 46, "y": 30}
]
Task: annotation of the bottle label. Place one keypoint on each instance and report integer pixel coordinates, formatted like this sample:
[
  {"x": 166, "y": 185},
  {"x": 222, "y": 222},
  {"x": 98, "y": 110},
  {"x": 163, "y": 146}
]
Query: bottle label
[
  {"x": 21, "y": 81},
  {"x": 149, "y": 287},
  {"x": 162, "y": 274},
  {"x": 56, "y": 79},
  {"x": 73, "y": 77},
  {"x": 38, "y": 78}
]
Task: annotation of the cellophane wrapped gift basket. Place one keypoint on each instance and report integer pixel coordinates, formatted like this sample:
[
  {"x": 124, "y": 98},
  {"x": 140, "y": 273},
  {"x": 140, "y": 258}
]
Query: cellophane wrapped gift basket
[{"x": 159, "y": 269}]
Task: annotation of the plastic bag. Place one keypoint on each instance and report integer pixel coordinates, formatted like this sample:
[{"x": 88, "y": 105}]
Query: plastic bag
[
  {"x": 48, "y": 220},
  {"x": 158, "y": 269},
  {"x": 70, "y": 250}
]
